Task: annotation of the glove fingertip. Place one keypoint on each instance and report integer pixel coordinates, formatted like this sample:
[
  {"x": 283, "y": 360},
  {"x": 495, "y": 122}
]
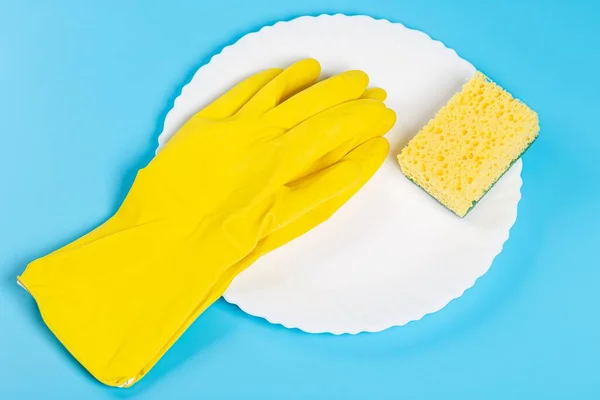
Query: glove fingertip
[{"x": 375, "y": 94}]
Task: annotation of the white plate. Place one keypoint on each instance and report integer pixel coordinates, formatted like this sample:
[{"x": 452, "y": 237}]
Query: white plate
[{"x": 391, "y": 254}]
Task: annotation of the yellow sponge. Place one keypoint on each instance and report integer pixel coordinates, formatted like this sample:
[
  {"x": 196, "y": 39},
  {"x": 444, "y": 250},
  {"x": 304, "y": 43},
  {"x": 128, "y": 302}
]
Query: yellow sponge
[{"x": 459, "y": 155}]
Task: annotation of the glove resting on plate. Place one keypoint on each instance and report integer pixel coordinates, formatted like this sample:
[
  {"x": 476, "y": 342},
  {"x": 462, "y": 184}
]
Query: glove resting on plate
[{"x": 266, "y": 162}]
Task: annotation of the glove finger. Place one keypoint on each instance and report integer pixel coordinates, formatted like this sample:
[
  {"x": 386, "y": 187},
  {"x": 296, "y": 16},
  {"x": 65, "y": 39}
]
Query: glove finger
[
  {"x": 321, "y": 96},
  {"x": 229, "y": 103},
  {"x": 298, "y": 198},
  {"x": 375, "y": 94},
  {"x": 379, "y": 128},
  {"x": 287, "y": 202},
  {"x": 292, "y": 80},
  {"x": 369, "y": 156},
  {"x": 307, "y": 143}
]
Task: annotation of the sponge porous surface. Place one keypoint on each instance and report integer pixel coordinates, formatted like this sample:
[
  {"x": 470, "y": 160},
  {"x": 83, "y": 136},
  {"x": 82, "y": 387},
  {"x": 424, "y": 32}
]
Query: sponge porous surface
[{"x": 469, "y": 144}]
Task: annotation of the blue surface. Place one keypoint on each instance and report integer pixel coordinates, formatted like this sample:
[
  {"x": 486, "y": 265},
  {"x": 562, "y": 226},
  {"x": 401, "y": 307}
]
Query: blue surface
[{"x": 83, "y": 93}]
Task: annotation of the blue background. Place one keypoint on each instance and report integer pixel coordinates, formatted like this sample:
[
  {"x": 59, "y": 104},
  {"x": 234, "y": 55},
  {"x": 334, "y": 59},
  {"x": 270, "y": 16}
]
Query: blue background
[{"x": 83, "y": 93}]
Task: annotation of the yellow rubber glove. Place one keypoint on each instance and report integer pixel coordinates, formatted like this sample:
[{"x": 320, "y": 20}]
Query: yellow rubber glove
[{"x": 241, "y": 171}]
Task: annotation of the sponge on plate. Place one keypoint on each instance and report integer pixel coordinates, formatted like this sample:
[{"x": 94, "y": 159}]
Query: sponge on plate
[{"x": 459, "y": 155}]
